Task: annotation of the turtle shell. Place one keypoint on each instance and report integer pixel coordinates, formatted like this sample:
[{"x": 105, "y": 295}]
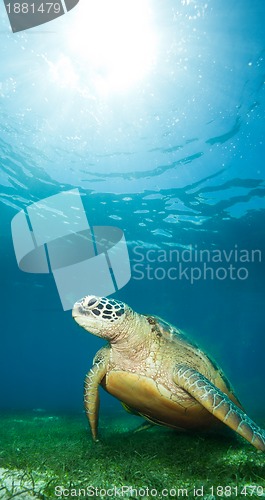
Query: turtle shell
[{"x": 143, "y": 396}]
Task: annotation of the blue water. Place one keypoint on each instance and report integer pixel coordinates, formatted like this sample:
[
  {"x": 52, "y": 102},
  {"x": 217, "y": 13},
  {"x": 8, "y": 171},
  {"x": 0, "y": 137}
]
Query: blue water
[{"x": 175, "y": 159}]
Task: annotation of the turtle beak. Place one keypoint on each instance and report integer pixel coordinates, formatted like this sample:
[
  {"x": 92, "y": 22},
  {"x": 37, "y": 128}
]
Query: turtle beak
[
  {"x": 79, "y": 311},
  {"x": 76, "y": 311},
  {"x": 80, "y": 315},
  {"x": 84, "y": 318}
]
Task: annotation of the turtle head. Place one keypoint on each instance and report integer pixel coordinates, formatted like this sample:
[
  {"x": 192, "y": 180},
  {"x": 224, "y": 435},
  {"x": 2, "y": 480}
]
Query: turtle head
[{"x": 99, "y": 315}]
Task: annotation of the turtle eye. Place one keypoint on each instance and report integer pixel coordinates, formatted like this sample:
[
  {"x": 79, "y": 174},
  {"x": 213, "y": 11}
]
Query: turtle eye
[{"x": 91, "y": 302}]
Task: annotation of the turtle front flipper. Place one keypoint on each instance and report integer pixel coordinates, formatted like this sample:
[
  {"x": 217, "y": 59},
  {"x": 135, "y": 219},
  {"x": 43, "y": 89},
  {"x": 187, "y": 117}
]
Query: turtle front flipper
[
  {"x": 91, "y": 393},
  {"x": 219, "y": 404}
]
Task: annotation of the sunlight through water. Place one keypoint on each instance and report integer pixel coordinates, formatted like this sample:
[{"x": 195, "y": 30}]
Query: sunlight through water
[{"x": 111, "y": 44}]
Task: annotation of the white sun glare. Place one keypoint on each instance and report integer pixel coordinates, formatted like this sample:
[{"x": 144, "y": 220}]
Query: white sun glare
[{"x": 112, "y": 42}]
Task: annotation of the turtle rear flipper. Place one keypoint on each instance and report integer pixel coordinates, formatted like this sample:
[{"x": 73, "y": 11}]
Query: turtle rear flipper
[{"x": 219, "y": 404}]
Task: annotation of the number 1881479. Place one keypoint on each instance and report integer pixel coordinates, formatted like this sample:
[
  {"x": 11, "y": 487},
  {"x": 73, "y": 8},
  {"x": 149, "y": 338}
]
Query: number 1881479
[{"x": 31, "y": 8}]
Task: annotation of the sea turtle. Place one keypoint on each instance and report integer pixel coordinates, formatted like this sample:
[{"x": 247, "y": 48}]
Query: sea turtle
[{"x": 157, "y": 373}]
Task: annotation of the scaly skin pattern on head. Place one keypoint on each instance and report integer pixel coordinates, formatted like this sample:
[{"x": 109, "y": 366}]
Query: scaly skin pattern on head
[{"x": 156, "y": 372}]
